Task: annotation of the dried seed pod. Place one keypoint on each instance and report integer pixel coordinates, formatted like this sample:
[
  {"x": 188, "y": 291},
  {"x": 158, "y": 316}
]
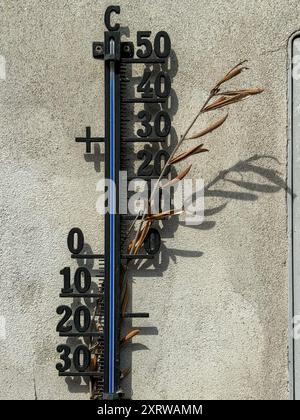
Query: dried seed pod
[
  {"x": 235, "y": 71},
  {"x": 209, "y": 129},
  {"x": 248, "y": 92}
]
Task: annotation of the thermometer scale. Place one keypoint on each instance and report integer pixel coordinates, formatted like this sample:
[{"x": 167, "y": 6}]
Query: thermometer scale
[{"x": 100, "y": 359}]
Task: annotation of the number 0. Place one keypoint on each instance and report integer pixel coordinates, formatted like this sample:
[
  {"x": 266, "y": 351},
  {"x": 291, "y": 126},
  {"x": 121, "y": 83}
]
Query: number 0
[
  {"x": 73, "y": 247},
  {"x": 81, "y": 358},
  {"x": 162, "y": 117},
  {"x": 162, "y": 52},
  {"x": 152, "y": 242}
]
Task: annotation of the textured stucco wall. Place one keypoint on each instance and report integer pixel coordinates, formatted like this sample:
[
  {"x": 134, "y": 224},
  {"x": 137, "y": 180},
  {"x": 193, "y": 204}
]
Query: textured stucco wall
[{"x": 218, "y": 301}]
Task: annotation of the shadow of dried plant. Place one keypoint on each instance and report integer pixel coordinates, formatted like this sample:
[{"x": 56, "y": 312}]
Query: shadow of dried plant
[{"x": 257, "y": 166}]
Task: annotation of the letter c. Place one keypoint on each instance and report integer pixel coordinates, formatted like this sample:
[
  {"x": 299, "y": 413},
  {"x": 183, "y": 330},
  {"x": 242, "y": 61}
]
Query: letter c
[{"x": 108, "y": 13}]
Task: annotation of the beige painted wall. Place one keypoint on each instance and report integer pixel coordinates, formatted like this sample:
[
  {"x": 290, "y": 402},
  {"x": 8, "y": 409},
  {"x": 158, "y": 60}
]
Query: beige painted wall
[{"x": 218, "y": 302}]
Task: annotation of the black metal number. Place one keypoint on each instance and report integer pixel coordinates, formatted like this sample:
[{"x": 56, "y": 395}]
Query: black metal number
[
  {"x": 144, "y": 169},
  {"x": 146, "y": 117},
  {"x": 81, "y": 358},
  {"x": 164, "y": 117},
  {"x": 161, "y": 155},
  {"x": 162, "y": 80},
  {"x": 162, "y": 124},
  {"x": 159, "y": 51},
  {"x": 162, "y": 85},
  {"x": 82, "y": 280},
  {"x": 143, "y": 41},
  {"x": 81, "y": 310},
  {"x": 66, "y": 272},
  {"x": 162, "y": 44},
  {"x": 152, "y": 241},
  {"x": 64, "y": 357},
  {"x": 145, "y": 85},
  {"x": 68, "y": 313},
  {"x": 73, "y": 247},
  {"x": 86, "y": 316}
]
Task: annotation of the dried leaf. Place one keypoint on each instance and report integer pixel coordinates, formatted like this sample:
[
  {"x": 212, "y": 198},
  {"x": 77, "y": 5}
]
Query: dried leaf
[
  {"x": 162, "y": 215},
  {"x": 93, "y": 364},
  {"x": 225, "y": 101},
  {"x": 209, "y": 129},
  {"x": 178, "y": 178},
  {"x": 129, "y": 336},
  {"x": 235, "y": 71},
  {"x": 184, "y": 155}
]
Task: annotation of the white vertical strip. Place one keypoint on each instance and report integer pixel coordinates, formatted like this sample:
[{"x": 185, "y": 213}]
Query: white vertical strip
[
  {"x": 2, "y": 328},
  {"x": 2, "y": 67},
  {"x": 294, "y": 215}
]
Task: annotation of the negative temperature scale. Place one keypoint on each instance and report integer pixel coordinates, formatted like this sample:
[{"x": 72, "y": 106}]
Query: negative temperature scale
[{"x": 98, "y": 355}]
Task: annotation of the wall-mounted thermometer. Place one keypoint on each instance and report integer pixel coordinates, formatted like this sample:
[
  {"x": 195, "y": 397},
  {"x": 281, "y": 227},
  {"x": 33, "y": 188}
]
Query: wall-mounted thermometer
[{"x": 98, "y": 357}]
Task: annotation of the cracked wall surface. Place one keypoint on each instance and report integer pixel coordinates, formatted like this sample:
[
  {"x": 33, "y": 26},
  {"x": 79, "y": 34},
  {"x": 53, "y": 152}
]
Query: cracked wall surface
[{"x": 218, "y": 298}]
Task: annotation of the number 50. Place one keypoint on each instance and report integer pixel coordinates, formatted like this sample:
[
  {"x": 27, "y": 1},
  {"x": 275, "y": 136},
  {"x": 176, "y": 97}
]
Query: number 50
[{"x": 162, "y": 44}]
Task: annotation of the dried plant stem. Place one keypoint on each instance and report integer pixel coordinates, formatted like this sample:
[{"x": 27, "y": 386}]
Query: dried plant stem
[{"x": 131, "y": 227}]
